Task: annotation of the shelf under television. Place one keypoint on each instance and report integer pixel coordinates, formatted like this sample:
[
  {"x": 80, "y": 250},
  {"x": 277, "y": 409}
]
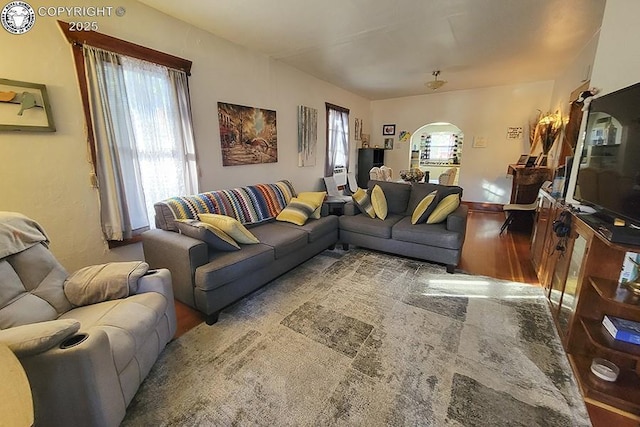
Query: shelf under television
[{"x": 623, "y": 394}]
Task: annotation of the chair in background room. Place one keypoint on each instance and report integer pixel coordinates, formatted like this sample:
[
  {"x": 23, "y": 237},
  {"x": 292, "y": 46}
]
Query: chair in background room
[
  {"x": 447, "y": 177},
  {"x": 387, "y": 173},
  {"x": 513, "y": 209},
  {"x": 375, "y": 174}
]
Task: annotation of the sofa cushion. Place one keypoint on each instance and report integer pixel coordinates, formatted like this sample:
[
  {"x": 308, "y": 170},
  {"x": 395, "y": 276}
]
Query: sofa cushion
[
  {"x": 284, "y": 240},
  {"x": 225, "y": 267},
  {"x": 425, "y": 207},
  {"x": 214, "y": 237},
  {"x": 231, "y": 227},
  {"x": 396, "y": 194},
  {"x": 444, "y": 208},
  {"x": 364, "y": 224},
  {"x": 317, "y": 228},
  {"x": 420, "y": 190},
  {"x": 427, "y": 234},
  {"x": 379, "y": 202},
  {"x": 127, "y": 322},
  {"x": 363, "y": 201}
]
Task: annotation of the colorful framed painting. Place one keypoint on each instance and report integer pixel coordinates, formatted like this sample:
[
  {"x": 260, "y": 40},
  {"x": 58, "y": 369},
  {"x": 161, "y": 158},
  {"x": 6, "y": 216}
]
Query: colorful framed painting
[
  {"x": 248, "y": 135},
  {"x": 388, "y": 129},
  {"x": 25, "y": 107}
]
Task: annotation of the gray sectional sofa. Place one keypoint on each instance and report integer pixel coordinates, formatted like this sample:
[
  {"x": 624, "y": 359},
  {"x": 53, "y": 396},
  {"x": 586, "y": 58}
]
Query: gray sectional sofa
[
  {"x": 209, "y": 280},
  {"x": 441, "y": 243}
]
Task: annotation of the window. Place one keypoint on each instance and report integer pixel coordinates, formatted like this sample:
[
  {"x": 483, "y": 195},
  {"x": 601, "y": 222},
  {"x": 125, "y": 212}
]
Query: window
[
  {"x": 140, "y": 132},
  {"x": 337, "y": 139}
]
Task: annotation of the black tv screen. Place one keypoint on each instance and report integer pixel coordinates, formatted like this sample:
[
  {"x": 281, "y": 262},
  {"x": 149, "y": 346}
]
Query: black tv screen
[{"x": 609, "y": 175}]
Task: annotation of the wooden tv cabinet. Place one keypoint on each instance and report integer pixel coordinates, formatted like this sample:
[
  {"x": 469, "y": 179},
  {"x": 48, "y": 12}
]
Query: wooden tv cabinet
[{"x": 580, "y": 275}]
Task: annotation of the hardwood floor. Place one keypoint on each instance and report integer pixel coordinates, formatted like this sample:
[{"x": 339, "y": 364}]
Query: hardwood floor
[{"x": 486, "y": 253}]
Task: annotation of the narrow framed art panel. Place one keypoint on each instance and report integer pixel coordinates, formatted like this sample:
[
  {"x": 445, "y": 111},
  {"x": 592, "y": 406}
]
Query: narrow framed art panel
[
  {"x": 248, "y": 135},
  {"x": 307, "y": 135},
  {"x": 25, "y": 106}
]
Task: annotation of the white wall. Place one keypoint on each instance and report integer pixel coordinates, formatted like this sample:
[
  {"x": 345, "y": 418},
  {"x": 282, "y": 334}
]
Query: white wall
[
  {"x": 616, "y": 64},
  {"x": 46, "y": 175},
  {"x": 485, "y": 113}
]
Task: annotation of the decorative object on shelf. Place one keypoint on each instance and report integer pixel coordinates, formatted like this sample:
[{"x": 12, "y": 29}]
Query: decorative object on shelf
[
  {"x": 25, "y": 107},
  {"x": 388, "y": 143},
  {"x": 435, "y": 84},
  {"x": 622, "y": 329},
  {"x": 307, "y": 135},
  {"x": 630, "y": 272},
  {"x": 523, "y": 159},
  {"x": 412, "y": 175},
  {"x": 604, "y": 369},
  {"x": 365, "y": 140},
  {"x": 247, "y": 135},
  {"x": 388, "y": 129},
  {"x": 547, "y": 130}
]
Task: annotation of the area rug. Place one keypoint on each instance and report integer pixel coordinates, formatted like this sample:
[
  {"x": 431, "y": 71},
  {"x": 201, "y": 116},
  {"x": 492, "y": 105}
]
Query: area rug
[{"x": 362, "y": 338}]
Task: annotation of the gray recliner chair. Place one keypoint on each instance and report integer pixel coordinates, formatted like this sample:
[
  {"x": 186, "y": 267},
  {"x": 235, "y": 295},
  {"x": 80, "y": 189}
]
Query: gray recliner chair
[{"x": 86, "y": 340}]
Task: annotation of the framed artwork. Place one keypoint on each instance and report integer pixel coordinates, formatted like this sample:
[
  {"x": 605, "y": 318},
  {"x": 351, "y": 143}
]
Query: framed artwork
[
  {"x": 523, "y": 159},
  {"x": 307, "y": 135},
  {"x": 531, "y": 161},
  {"x": 357, "y": 130},
  {"x": 541, "y": 160},
  {"x": 25, "y": 107},
  {"x": 388, "y": 143},
  {"x": 404, "y": 136},
  {"x": 389, "y": 129},
  {"x": 247, "y": 135}
]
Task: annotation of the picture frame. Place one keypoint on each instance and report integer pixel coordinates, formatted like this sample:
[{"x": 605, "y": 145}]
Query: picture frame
[
  {"x": 388, "y": 129},
  {"x": 523, "y": 159},
  {"x": 541, "y": 160},
  {"x": 531, "y": 161},
  {"x": 25, "y": 106},
  {"x": 388, "y": 143}
]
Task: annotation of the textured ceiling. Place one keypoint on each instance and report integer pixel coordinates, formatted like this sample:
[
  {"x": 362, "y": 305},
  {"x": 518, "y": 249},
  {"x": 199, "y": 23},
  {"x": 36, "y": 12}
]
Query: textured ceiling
[{"x": 383, "y": 49}]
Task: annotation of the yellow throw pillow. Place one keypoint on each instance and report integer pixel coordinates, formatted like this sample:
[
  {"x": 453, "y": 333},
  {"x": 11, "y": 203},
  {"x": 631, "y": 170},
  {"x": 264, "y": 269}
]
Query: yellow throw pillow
[
  {"x": 231, "y": 226},
  {"x": 424, "y": 208},
  {"x": 209, "y": 234},
  {"x": 361, "y": 198},
  {"x": 297, "y": 211},
  {"x": 315, "y": 197},
  {"x": 379, "y": 202},
  {"x": 444, "y": 208}
]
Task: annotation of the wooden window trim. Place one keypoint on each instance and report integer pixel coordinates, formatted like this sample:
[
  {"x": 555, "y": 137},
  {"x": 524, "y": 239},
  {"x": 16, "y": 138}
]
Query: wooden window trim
[{"x": 102, "y": 41}]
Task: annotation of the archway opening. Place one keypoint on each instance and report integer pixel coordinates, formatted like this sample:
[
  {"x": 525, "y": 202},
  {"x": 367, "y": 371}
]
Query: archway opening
[{"x": 436, "y": 147}]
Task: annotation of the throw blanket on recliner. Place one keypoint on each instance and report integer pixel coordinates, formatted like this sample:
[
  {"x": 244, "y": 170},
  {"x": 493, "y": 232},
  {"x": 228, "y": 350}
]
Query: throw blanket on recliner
[{"x": 17, "y": 233}]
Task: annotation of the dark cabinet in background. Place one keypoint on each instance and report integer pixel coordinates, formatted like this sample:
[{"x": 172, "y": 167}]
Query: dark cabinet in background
[{"x": 368, "y": 158}]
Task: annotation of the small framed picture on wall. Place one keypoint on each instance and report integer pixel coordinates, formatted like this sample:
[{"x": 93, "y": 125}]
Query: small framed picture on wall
[
  {"x": 388, "y": 129},
  {"x": 388, "y": 143}
]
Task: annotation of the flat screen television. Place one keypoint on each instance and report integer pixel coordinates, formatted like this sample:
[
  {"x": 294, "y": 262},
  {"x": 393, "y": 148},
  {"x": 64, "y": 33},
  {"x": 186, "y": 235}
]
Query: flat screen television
[{"x": 608, "y": 178}]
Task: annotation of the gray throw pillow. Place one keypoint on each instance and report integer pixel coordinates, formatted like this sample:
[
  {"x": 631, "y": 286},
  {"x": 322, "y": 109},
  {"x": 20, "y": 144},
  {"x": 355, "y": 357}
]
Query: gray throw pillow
[{"x": 211, "y": 235}]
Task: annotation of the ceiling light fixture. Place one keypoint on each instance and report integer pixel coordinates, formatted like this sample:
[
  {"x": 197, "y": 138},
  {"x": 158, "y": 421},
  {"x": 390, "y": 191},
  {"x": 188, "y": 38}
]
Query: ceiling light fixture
[{"x": 435, "y": 84}]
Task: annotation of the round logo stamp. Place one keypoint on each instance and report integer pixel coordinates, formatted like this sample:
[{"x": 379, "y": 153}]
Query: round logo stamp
[{"x": 17, "y": 17}]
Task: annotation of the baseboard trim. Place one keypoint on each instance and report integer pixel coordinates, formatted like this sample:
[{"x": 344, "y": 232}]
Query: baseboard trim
[{"x": 485, "y": 207}]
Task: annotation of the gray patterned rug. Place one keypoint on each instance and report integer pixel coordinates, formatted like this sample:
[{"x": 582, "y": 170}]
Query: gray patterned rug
[{"x": 368, "y": 339}]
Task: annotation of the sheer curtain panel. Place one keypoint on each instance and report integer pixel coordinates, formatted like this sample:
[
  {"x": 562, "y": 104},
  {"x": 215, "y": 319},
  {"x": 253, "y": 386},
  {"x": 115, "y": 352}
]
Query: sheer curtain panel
[
  {"x": 144, "y": 139},
  {"x": 337, "y": 139}
]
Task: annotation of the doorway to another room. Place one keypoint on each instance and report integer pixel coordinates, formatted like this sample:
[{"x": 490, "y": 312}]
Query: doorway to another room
[{"x": 436, "y": 148}]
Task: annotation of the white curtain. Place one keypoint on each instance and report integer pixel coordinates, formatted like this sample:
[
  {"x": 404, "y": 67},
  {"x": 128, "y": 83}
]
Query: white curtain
[
  {"x": 144, "y": 140},
  {"x": 337, "y": 141}
]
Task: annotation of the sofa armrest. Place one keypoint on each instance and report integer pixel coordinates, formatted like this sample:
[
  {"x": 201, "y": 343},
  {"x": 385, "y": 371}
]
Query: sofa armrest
[
  {"x": 457, "y": 220},
  {"x": 36, "y": 338},
  {"x": 77, "y": 382},
  {"x": 350, "y": 209},
  {"x": 178, "y": 253}
]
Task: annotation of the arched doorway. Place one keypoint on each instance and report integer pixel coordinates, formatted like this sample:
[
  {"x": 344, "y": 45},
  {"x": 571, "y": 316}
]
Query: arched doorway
[{"x": 436, "y": 147}]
